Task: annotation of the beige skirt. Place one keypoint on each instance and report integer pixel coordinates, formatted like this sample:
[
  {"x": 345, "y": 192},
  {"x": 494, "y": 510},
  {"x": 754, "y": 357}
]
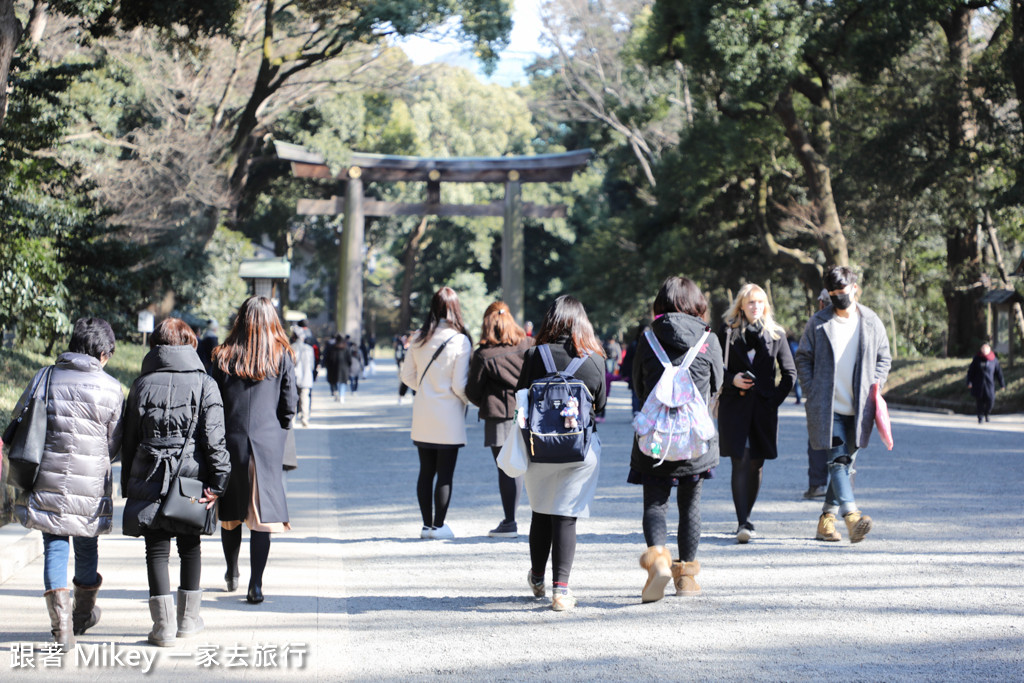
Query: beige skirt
[{"x": 252, "y": 517}]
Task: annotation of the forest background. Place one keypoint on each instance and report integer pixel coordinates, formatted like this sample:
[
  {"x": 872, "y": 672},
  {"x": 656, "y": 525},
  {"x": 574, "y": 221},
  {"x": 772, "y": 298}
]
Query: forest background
[{"x": 734, "y": 142}]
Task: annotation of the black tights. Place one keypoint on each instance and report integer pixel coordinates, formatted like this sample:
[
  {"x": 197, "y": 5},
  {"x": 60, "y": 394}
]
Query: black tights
[
  {"x": 510, "y": 488},
  {"x": 434, "y": 500},
  {"x": 746, "y": 483},
  {"x": 259, "y": 551},
  {"x": 656, "y": 497},
  {"x": 556, "y": 535},
  {"x": 158, "y": 552}
]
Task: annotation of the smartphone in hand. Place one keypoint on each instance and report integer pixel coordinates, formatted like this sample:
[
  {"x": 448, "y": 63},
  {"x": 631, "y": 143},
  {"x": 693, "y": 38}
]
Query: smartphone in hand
[{"x": 747, "y": 374}]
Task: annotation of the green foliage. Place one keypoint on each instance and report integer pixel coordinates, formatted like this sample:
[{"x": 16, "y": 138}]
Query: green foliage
[
  {"x": 211, "y": 287},
  {"x": 942, "y": 383}
]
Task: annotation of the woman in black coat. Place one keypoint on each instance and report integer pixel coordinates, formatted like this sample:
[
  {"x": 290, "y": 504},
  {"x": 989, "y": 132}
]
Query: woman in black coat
[
  {"x": 493, "y": 374},
  {"x": 255, "y": 369},
  {"x": 748, "y": 411},
  {"x": 679, "y": 310},
  {"x": 336, "y": 361},
  {"x": 982, "y": 377},
  {"x": 171, "y": 398}
]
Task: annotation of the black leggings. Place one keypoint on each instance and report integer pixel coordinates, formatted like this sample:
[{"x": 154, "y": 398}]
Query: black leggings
[
  {"x": 259, "y": 551},
  {"x": 556, "y": 535},
  {"x": 158, "y": 552},
  {"x": 746, "y": 483},
  {"x": 434, "y": 500},
  {"x": 656, "y": 497},
  {"x": 510, "y": 488}
]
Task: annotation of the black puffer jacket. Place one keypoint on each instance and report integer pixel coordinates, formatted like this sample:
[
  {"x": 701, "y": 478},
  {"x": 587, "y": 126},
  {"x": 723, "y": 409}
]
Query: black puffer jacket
[
  {"x": 677, "y": 332},
  {"x": 161, "y": 404}
]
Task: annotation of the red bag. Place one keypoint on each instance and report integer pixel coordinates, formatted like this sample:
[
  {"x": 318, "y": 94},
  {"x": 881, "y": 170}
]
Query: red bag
[{"x": 882, "y": 417}]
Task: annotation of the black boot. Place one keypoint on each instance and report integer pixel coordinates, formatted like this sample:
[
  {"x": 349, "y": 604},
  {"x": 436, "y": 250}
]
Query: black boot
[{"x": 86, "y": 614}]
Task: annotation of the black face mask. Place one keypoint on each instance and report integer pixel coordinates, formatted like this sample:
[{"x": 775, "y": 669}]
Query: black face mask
[{"x": 841, "y": 301}]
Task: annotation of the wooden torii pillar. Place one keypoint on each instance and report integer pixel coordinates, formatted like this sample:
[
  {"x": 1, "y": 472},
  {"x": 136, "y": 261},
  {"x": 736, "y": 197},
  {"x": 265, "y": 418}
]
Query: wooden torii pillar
[{"x": 512, "y": 172}]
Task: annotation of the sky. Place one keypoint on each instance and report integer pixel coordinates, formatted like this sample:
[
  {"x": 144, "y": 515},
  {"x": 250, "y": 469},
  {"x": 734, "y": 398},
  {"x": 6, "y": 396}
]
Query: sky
[{"x": 524, "y": 45}]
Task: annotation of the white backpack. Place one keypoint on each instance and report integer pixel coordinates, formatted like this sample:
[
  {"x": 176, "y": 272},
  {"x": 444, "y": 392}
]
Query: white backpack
[{"x": 674, "y": 423}]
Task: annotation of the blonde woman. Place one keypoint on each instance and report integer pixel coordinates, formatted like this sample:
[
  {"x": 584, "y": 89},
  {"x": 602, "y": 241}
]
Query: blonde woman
[{"x": 748, "y": 414}]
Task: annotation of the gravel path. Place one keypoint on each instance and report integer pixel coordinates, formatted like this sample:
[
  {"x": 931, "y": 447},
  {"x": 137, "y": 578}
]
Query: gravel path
[{"x": 934, "y": 592}]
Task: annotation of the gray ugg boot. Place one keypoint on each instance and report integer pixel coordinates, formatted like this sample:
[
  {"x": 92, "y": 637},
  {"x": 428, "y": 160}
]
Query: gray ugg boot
[
  {"x": 86, "y": 614},
  {"x": 161, "y": 608},
  {"x": 58, "y": 604},
  {"x": 189, "y": 621}
]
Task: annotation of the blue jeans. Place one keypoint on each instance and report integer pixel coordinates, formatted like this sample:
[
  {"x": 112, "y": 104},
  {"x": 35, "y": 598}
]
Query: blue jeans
[
  {"x": 55, "y": 561},
  {"x": 839, "y": 495}
]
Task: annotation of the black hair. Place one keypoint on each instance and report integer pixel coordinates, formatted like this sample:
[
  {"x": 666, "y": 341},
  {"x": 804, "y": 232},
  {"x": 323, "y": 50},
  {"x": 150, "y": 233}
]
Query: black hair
[
  {"x": 680, "y": 295},
  {"x": 838, "y": 277},
  {"x": 93, "y": 337}
]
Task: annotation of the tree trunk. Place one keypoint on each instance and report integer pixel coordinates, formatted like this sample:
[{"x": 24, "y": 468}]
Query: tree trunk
[
  {"x": 412, "y": 250},
  {"x": 819, "y": 182},
  {"x": 810, "y": 271},
  {"x": 1015, "y": 57},
  {"x": 37, "y": 21},
  {"x": 10, "y": 34},
  {"x": 965, "y": 315}
]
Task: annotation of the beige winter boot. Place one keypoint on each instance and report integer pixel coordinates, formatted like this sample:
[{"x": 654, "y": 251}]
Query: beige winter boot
[
  {"x": 58, "y": 604},
  {"x": 657, "y": 560},
  {"x": 682, "y": 574}
]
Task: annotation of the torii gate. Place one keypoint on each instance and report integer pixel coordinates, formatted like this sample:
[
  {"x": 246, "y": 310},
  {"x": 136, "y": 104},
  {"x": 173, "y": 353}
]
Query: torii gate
[{"x": 512, "y": 171}]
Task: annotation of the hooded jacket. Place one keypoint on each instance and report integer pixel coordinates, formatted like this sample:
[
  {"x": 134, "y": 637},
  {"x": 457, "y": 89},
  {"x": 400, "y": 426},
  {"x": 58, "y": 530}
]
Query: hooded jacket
[
  {"x": 677, "y": 332},
  {"x": 160, "y": 410},
  {"x": 71, "y": 496}
]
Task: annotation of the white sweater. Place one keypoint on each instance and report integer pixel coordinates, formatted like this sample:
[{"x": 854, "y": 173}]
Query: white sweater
[
  {"x": 845, "y": 345},
  {"x": 439, "y": 408}
]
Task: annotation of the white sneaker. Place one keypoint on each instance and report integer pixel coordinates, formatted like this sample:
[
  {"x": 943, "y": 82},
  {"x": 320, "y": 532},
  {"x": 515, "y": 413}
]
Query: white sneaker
[
  {"x": 443, "y": 532},
  {"x": 743, "y": 534},
  {"x": 427, "y": 532}
]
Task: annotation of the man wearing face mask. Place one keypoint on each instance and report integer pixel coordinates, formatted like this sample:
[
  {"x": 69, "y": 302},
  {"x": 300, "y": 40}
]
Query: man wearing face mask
[{"x": 844, "y": 350}]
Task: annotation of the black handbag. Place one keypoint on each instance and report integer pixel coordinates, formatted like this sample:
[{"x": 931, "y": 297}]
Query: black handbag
[
  {"x": 182, "y": 503},
  {"x": 27, "y": 436}
]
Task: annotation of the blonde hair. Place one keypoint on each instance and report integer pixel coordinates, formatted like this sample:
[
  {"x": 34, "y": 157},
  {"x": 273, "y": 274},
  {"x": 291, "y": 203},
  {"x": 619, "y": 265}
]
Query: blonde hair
[{"x": 735, "y": 317}]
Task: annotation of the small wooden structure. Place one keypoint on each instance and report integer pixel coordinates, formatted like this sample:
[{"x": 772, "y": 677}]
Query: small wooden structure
[
  {"x": 363, "y": 168},
  {"x": 267, "y": 277},
  {"x": 1000, "y": 316}
]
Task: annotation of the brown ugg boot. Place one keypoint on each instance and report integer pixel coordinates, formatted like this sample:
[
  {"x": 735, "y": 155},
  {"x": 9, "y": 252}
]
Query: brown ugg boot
[
  {"x": 85, "y": 614},
  {"x": 657, "y": 560},
  {"x": 682, "y": 574}
]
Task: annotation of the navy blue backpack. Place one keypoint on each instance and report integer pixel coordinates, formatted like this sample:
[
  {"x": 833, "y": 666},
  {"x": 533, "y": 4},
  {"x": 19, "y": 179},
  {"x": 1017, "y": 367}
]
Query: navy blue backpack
[{"x": 558, "y": 427}]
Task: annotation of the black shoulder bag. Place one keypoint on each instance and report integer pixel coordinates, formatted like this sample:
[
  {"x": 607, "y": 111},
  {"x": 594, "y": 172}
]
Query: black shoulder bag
[
  {"x": 27, "y": 436},
  {"x": 182, "y": 503}
]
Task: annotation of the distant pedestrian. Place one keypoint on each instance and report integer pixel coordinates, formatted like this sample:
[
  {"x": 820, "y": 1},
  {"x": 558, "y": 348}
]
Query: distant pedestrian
[
  {"x": 174, "y": 424},
  {"x": 755, "y": 346},
  {"x": 304, "y": 363},
  {"x": 493, "y": 374},
  {"x": 626, "y": 369},
  {"x": 560, "y": 493},
  {"x": 982, "y": 377},
  {"x": 401, "y": 349},
  {"x": 336, "y": 362},
  {"x": 255, "y": 370},
  {"x": 70, "y": 501},
  {"x": 437, "y": 368},
  {"x": 679, "y": 311},
  {"x": 355, "y": 366},
  {"x": 208, "y": 343},
  {"x": 612, "y": 355},
  {"x": 844, "y": 350}
]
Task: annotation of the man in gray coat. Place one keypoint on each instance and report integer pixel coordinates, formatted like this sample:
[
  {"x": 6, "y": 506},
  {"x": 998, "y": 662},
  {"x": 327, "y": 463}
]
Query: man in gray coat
[{"x": 844, "y": 350}]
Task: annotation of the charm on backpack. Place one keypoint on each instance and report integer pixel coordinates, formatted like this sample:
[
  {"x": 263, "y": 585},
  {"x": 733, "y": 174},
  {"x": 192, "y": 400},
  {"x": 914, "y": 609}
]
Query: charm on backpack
[
  {"x": 571, "y": 412},
  {"x": 558, "y": 422}
]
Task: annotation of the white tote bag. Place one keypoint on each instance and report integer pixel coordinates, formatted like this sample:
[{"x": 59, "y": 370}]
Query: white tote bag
[{"x": 512, "y": 457}]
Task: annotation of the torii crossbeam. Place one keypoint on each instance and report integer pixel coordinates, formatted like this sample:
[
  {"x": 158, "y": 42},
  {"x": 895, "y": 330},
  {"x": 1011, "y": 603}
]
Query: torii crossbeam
[{"x": 512, "y": 171}]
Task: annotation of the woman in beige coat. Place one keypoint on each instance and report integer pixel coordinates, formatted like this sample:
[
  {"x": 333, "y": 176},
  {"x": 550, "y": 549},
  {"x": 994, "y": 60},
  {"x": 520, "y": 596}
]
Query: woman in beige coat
[{"x": 437, "y": 367}]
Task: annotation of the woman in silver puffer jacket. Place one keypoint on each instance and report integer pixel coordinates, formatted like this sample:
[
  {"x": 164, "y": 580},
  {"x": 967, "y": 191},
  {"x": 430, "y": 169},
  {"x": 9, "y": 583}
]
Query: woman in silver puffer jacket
[{"x": 71, "y": 495}]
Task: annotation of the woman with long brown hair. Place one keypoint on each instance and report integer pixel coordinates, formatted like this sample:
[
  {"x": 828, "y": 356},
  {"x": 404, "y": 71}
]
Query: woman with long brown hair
[
  {"x": 255, "y": 369},
  {"x": 437, "y": 367},
  {"x": 560, "y": 493},
  {"x": 493, "y": 374}
]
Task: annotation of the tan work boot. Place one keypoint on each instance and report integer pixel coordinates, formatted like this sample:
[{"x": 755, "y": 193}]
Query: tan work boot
[
  {"x": 827, "y": 528},
  {"x": 858, "y": 525},
  {"x": 657, "y": 560},
  {"x": 682, "y": 575}
]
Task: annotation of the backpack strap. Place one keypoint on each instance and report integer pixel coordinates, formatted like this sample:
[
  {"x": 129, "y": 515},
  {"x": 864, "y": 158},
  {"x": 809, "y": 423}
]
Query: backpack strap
[
  {"x": 575, "y": 364},
  {"x": 545, "y": 355},
  {"x": 656, "y": 346},
  {"x": 695, "y": 349}
]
